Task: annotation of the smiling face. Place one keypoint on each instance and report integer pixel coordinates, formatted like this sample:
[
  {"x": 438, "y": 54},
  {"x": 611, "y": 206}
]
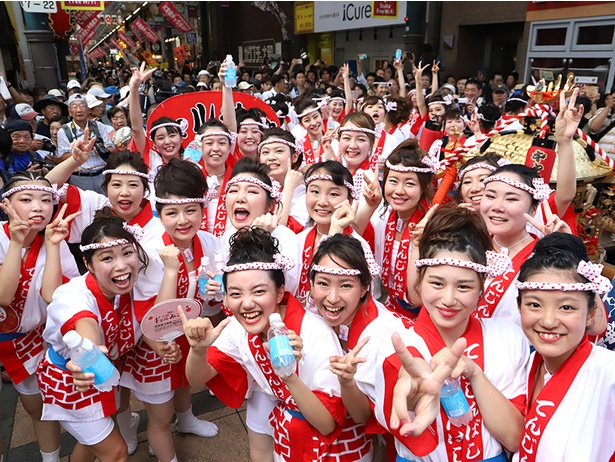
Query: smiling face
[
  {"x": 454, "y": 127},
  {"x": 167, "y": 143},
  {"x": 252, "y": 296},
  {"x": 554, "y": 321},
  {"x": 181, "y": 221},
  {"x": 126, "y": 192},
  {"x": 115, "y": 269},
  {"x": 403, "y": 192},
  {"x": 502, "y": 207},
  {"x": 277, "y": 156},
  {"x": 313, "y": 123},
  {"x": 450, "y": 294},
  {"x": 336, "y": 107},
  {"x": 354, "y": 147},
  {"x": 337, "y": 297},
  {"x": 245, "y": 202},
  {"x": 321, "y": 197},
  {"x": 436, "y": 111},
  {"x": 376, "y": 112},
  {"x": 216, "y": 150},
  {"x": 248, "y": 138},
  {"x": 22, "y": 141},
  {"x": 35, "y": 207},
  {"x": 50, "y": 111},
  {"x": 472, "y": 187}
]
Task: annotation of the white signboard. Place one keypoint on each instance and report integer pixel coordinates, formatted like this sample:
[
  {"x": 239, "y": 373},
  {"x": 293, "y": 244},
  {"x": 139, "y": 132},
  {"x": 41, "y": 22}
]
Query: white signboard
[
  {"x": 334, "y": 16},
  {"x": 40, "y": 7},
  {"x": 585, "y": 79}
]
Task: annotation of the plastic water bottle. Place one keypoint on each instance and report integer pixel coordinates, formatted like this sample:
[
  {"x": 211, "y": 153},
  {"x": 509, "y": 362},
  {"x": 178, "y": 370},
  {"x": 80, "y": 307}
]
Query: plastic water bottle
[
  {"x": 363, "y": 56},
  {"x": 193, "y": 152},
  {"x": 332, "y": 124},
  {"x": 89, "y": 358},
  {"x": 398, "y": 54},
  {"x": 455, "y": 403},
  {"x": 283, "y": 360},
  {"x": 230, "y": 77},
  {"x": 218, "y": 278},
  {"x": 203, "y": 279}
]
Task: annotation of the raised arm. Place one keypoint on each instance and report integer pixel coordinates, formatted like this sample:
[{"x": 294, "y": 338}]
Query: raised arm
[
  {"x": 399, "y": 69},
  {"x": 420, "y": 98},
  {"x": 10, "y": 269},
  {"x": 345, "y": 71},
  {"x": 77, "y": 155},
  {"x": 435, "y": 68},
  {"x": 136, "y": 116},
  {"x": 228, "y": 105}
]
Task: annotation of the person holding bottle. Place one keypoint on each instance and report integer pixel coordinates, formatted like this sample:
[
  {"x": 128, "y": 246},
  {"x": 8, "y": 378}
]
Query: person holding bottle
[
  {"x": 454, "y": 260},
  {"x": 296, "y": 417},
  {"x": 100, "y": 307}
]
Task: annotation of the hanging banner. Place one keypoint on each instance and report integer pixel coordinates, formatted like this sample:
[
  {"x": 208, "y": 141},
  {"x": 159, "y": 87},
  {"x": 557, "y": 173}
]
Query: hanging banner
[
  {"x": 89, "y": 27},
  {"x": 179, "y": 22},
  {"x": 145, "y": 30},
  {"x": 198, "y": 107},
  {"x": 87, "y": 38},
  {"x": 124, "y": 38},
  {"x": 116, "y": 44},
  {"x": 149, "y": 58},
  {"x": 83, "y": 5},
  {"x": 83, "y": 17}
]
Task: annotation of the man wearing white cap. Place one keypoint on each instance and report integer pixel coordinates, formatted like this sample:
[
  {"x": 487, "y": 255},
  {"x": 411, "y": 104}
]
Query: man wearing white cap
[
  {"x": 72, "y": 87},
  {"x": 89, "y": 175}
]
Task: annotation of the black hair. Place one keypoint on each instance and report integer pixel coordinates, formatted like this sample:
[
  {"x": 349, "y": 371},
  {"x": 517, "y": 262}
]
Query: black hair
[
  {"x": 475, "y": 81},
  {"x": 108, "y": 225},
  {"x": 347, "y": 252},
  {"x": 254, "y": 244},
  {"x": 338, "y": 172},
  {"x": 455, "y": 229},
  {"x": 525, "y": 173},
  {"x": 253, "y": 113},
  {"x": 362, "y": 120},
  {"x": 255, "y": 168},
  {"x": 164, "y": 120},
  {"x": 213, "y": 123},
  {"x": 287, "y": 136},
  {"x": 126, "y": 157},
  {"x": 401, "y": 113},
  {"x": 489, "y": 157},
  {"x": 491, "y": 113},
  {"x": 557, "y": 252},
  {"x": 302, "y": 104},
  {"x": 24, "y": 177},
  {"x": 181, "y": 178}
]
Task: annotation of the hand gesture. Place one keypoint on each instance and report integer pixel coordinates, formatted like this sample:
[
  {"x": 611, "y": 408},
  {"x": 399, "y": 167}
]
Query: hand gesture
[
  {"x": 371, "y": 188},
  {"x": 418, "y": 388},
  {"x": 568, "y": 118},
  {"x": 326, "y": 140},
  {"x": 200, "y": 332},
  {"x": 269, "y": 221},
  {"x": 140, "y": 75},
  {"x": 343, "y": 216},
  {"x": 464, "y": 367},
  {"x": 417, "y": 231},
  {"x": 57, "y": 230},
  {"x": 435, "y": 67},
  {"x": 170, "y": 352},
  {"x": 293, "y": 178},
  {"x": 552, "y": 223},
  {"x": 474, "y": 124},
  {"x": 418, "y": 71},
  {"x": 18, "y": 227},
  {"x": 346, "y": 367},
  {"x": 81, "y": 149},
  {"x": 170, "y": 257},
  {"x": 296, "y": 343}
]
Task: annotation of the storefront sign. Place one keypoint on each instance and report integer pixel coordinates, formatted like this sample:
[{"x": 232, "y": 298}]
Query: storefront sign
[
  {"x": 39, "y": 7},
  {"x": 304, "y": 17},
  {"x": 116, "y": 44},
  {"x": 89, "y": 27},
  {"x": 85, "y": 5},
  {"x": 125, "y": 38},
  {"x": 176, "y": 18},
  {"x": 145, "y": 30},
  {"x": 254, "y": 52},
  {"x": 333, "y": 16}
]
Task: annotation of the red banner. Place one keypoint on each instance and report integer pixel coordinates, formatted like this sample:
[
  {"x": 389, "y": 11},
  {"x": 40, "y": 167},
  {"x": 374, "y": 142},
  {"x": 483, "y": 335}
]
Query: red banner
[
  {"x": 179, "y": 22},
  {"x": 89, "y": 27},
  {"x": 141, "y": 26},
  {"x": 198, "y": 107},
  {"x": 117, "y": 45},
  {"x": 60, "y": 23},
  {"x": 82, "y": 17},
  {"x": 86, "y": 39},
  {"x": 124, "y": 38}
]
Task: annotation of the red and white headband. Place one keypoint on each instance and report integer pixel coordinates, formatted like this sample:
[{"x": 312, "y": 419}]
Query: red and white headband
[
  {"x": 318, "y": 107},
  {"x": 53, "y": 190},
  {"x": 497, "y": 263},
  {"x": 135, "y": 230},
  {"x": 376, "y": 133},
  {"x": 492, "y": 168},
  {"x": 336, "y": 271},
  {"x": 103, "y": 245},
  {"x": 599, "y": 284},
  {"x": 231, "y": 136},
  {"x": 182, "y": 126},
  {"x": 185, "y": 200},
  {"x": 148, "y": 176},
  {"x": 274, "y": 190},
  {"x": 261, "y": 124},
  {"x": 337, "y": 98},
  {"x": 539, "y": 192},
  {"x": 374, "y": 269},
  {"x": 295, "y": 147},
  {"x": 431, "y": 160},
  {"x": 356, "y": 190},
  {"x": 280, "y": 262}
]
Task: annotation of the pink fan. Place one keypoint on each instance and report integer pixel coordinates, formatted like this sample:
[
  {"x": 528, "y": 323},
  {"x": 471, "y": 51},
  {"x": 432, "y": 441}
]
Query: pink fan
[{"x": 162, "y": 323}]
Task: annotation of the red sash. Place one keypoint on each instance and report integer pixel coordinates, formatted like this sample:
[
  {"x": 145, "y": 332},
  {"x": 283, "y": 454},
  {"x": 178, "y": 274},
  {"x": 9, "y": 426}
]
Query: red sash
[
  {"x": 14, "y": 311},
  {"x": 308, "y": 252},
  {"x": 308, "y": 152},
  {"x": 499, "y": 285},
  {"x": 398, "y": 288},
  {"x": 144, "y": 216},
  {"x": 294, "y": 225},
  {"x": 221, "y": 212},
  {"x": 539, "y": 413},
  {"x": 461, "y": 444},
  {"x": 183, "y": 280},
  {"x": 118, "y": 331}
]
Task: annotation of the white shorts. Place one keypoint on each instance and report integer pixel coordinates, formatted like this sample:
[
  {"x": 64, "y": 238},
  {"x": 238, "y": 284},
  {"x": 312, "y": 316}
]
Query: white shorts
[
  {"x": 89, "y": 433},
  {"x": 258, "y": 411},
  {"x": 159, "y": 398},
  {"x": 28, "y": 387}
]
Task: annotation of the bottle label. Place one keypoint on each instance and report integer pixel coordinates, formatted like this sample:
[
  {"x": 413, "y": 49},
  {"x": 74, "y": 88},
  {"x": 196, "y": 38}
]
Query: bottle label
[
  {"x": 280, "y": 351},
  {"x": 203, "y": 285},
  {"x": 102, "y": 369},
  {"x": 218, "y": 278},
  {"x": 455, "y": 405}
]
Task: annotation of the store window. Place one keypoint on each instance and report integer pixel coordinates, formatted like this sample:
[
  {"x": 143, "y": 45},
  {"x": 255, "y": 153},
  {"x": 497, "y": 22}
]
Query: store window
[
  {"x": 596, "y": 35},
  {"x": 551, "y": 36}
]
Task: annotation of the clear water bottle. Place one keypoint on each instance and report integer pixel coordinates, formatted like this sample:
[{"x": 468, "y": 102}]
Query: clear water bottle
[
  {"x": 230, "y": 77},
  {"x": 398, "y": 54},
  {"x": 90, "y": 359},
  {"x": 283, "y": 360},
  {"x": 363, "y": 56},
  {"x": 218, "y": 277},
  {"x": 455, "y": 403},
  {"x": 332, "y": 124},
  {"x": 203, "y": 279},
  {"x": 193, "y": 152}
]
